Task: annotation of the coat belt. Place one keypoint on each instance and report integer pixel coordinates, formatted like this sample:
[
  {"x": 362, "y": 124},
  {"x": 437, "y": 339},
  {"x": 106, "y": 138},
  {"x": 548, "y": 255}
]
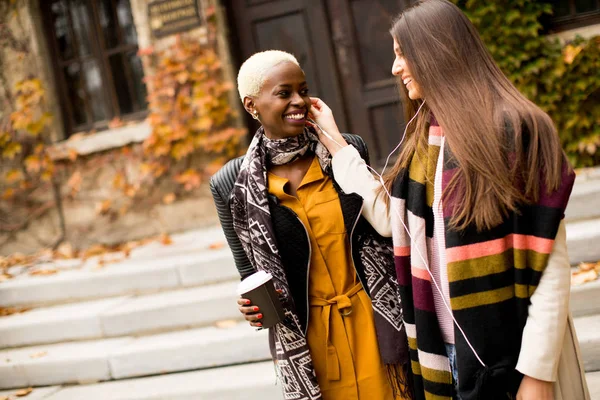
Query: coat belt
[{"x": 344, "y": 306}]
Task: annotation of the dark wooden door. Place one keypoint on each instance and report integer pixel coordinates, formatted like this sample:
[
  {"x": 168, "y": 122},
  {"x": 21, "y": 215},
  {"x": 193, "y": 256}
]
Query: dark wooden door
[
  {"x": 299, "y": 27},
  {"x": 346, "y": 51},
  {"x": 364, "y": 50}
]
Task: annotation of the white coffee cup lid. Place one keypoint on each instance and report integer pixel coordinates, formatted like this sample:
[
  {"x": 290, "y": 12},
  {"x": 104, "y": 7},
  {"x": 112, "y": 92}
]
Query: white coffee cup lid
[{"x": 253, "y": 281}]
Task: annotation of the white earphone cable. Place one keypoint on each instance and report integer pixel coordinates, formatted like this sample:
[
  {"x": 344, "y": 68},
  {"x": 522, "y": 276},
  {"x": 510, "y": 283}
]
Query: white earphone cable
[{"x": 405, "y": 227}]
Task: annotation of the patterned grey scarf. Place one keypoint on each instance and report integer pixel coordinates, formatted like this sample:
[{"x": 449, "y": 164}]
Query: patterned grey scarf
[
  {"x": 285, "y": 151},
  {"x": 252, "y": 223}
]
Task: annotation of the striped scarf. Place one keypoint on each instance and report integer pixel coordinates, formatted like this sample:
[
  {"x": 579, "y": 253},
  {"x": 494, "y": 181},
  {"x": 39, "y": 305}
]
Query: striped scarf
[{"x": 492, "y": 275}]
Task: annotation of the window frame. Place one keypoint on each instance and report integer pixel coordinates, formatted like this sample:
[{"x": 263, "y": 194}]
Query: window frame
[
  {"x": 574, "y": 20},
  {"x": 99, "y": 53}
]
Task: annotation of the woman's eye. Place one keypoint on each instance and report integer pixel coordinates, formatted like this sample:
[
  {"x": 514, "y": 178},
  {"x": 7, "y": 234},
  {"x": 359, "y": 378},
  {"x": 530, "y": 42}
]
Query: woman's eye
[
  {"x": 304, "y": 92},
  {"x": 283, "y": 93}
]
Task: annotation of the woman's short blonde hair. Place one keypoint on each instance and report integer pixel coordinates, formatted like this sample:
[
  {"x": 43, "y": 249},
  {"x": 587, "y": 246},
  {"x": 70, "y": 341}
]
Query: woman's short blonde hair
[{"x": 253, "y": 71}]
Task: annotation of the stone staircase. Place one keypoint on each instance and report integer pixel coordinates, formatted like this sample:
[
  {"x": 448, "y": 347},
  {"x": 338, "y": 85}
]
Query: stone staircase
[
  {"x": 161, "y": 324},
  {"x": 164, "y": 324}
]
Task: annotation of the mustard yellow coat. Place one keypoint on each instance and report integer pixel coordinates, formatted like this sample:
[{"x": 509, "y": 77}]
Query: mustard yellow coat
[{"x": 341, "y": 329}]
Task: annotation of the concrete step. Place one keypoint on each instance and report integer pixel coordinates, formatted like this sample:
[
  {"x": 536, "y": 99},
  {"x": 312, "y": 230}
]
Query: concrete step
[
  {"x": 188, "y": 307},
  {"x": 583, "y": 240},
  {"x": 57, "y": 364},
  {"x": 135, "y": 275},
  {"x": 241, "y": 382},
  {"x": 584, "y": 200},
  {"x": 588, "y": 333},
  {"x": 593, "y": 380},
  {"x": 106, "y": 359},
  {"x": 187, "y": 350},
  {"x": 121, "y": 316},
  {"x": 36, "y": 393},
  {"x": 585, "y": 299}
]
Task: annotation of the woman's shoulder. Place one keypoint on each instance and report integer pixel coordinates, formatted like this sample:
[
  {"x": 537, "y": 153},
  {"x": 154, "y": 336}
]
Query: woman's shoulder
[
  {"x": 223, "y": 180},
  {"x": 359, "y": 143}
]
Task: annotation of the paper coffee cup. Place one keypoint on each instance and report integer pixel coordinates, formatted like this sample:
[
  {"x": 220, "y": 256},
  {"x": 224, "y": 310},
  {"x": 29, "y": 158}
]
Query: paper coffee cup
[{"x": 259, "y": 289}]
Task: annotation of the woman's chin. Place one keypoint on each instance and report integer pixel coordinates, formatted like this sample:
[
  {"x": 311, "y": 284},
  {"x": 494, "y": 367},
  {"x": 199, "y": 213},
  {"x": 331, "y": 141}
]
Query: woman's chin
[{"x": 413, "y": 96}]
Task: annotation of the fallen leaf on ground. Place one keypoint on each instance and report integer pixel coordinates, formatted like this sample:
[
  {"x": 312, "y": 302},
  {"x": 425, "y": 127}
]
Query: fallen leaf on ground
[
  {"x": 65, "y": 250},
  {"x": 165, "y": 239},
  {"x": 39, "y": 355},
  {"x": 44, "y": 272},
  {"x": 23, "y": 392},
  {"x": 226, "y": 323},
  {"x": 4, "y": 311},
  {"x": 216, "y": 245},
  {"x": 95, "y": 250},
  {"x": 581, "y": 277},
  {"x": 587, "y": 266}
]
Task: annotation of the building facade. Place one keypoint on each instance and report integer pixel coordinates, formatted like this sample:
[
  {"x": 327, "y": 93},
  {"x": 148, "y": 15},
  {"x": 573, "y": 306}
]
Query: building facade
[{"x": 87, "y": 53}]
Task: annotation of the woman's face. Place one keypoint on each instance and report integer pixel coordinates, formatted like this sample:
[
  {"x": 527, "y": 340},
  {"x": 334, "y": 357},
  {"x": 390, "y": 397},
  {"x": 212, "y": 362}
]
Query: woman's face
[
  {"x": 400, "y": 68},
  {"x": 283, "y": 102}
]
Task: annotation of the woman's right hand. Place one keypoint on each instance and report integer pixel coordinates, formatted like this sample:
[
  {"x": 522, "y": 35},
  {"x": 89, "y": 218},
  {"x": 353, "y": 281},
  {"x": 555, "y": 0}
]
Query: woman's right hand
[
  {"x": 251, "y": 313},
  {"x": 322, "y": 115}
]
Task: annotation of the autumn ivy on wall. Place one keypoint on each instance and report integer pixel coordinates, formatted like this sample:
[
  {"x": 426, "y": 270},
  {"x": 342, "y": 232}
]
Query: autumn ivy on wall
[
  {"x": 193, "y": 125},
  {"x": 563, "y": 79},
  {"x": 194, "y": 130},
  {"x": 29, "y": 187}
]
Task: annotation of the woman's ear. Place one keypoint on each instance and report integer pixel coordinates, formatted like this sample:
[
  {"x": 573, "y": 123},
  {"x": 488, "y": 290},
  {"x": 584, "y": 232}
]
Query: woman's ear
[{"x": 249, "y": 105}]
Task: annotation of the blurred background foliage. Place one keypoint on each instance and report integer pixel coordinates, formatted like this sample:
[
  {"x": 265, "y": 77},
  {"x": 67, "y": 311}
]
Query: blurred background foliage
[{"x": 562, "y": 78}]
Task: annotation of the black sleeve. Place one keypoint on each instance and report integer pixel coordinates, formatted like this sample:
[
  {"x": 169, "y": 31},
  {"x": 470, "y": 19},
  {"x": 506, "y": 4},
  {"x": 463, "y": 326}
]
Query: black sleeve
[
  {"x": 360, "y": 145},
  {"x": 221, "y": 200}
]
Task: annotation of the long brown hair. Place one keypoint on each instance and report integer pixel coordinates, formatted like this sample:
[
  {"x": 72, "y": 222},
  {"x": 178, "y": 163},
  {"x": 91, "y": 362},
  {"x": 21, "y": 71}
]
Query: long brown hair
[{"x": 502, "y": 143}]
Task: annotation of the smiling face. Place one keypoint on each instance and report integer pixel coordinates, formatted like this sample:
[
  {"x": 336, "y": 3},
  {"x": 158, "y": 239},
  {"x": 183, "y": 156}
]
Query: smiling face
[
  {"x": 401, "y": 69},
  {"x": 283, "y": 102}
]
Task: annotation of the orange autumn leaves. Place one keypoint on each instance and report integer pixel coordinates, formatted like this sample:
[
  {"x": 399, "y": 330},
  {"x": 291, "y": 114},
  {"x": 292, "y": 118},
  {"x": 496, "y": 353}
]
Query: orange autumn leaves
[
  {"x": 193, "y": 126},
  {"x": 22, "y": 144},
  {"x": 190, "y": 111},
  {"x": 585, "y": 272}
]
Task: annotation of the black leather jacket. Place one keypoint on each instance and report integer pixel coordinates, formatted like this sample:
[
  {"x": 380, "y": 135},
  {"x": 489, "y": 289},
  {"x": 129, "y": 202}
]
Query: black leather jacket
[{"x": 290, "y": 234}]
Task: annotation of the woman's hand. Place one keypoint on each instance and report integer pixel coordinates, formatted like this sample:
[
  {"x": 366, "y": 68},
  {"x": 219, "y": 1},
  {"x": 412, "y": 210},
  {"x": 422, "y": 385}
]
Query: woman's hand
[
  {"x": 535, "y": 389},
  {"x": 251, "y": 313},
  {"x": 322, "y": 115}
]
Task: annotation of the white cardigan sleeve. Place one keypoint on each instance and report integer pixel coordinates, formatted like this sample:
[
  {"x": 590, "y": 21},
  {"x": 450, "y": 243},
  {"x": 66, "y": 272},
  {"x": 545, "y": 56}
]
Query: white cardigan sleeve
[
  {"x": 546, "y": 324},
  {"x": 351, "y": 173}
]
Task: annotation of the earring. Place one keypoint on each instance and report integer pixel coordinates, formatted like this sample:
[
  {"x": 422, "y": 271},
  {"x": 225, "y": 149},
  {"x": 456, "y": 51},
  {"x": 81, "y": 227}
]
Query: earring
[{"x": 255, "y": 115}]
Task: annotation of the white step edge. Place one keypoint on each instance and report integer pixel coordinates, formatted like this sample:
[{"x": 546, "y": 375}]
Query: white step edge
[
  {"x": 188, "y": 350},
  {"x": 588, "y": 333},
  {"x": 106, "y": 359},
  {"x": 121, "y": 316},
  {"x": 130, "y": 276},
  {"x": 583, "y": 240},
  {"x": 585, "y": 299},
  {"x": 57, "y": 364},
  {"x": 56, "y": 324},
  {"x": 36, "y": 394},
  {"x": 583, "y": 203},
  {"x": 168, "y": 310},
  {"x": 593, "y": 380},
  {"x": 240, "y": 382}
]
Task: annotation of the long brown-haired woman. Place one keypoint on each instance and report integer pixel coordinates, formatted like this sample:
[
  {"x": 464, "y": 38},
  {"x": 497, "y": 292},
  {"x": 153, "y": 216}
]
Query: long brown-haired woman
[
  {"x": 475, "y": 202},
  {"x": 282, "y": 212}
]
